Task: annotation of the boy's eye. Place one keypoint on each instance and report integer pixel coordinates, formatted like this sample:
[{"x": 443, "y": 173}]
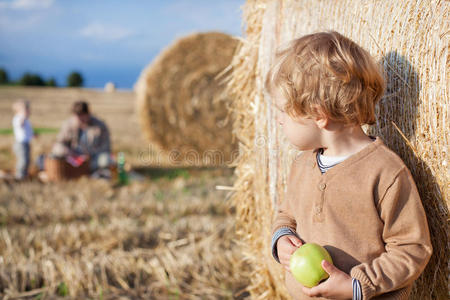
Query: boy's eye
[{"x": 280, "y": 109}]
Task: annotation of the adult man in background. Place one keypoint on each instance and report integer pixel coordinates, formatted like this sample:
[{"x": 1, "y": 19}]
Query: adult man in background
[{"x": 85, "y": 135}]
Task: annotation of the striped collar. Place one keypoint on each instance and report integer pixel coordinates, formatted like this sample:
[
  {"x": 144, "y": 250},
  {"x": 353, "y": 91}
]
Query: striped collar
[{"x": 327, "y": 162}]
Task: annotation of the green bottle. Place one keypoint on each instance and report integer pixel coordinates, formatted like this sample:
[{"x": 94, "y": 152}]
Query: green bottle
[{"x": 122, "y": 174}]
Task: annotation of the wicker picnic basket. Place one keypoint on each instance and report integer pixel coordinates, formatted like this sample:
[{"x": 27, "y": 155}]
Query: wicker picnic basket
[{"x": 59, "y": 169}]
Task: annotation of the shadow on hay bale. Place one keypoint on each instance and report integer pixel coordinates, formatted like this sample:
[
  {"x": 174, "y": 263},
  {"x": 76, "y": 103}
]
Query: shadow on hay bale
[
  {"x": 181, "y": 103},
  {"x": 402, "y": 99}
]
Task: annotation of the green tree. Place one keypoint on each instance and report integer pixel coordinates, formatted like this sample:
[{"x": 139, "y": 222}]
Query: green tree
[
  {"x": 51, "y": 82},
  {"x": 75, "y": 79},
  {"x": 3, "y": 76},
  {"x": 30, "y": 79}
]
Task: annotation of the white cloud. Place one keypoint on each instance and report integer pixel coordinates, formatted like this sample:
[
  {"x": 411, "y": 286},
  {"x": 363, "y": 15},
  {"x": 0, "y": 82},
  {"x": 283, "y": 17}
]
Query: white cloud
[
  {"x": 26, "y": 4},
  {"x": 104, "y": 32}
]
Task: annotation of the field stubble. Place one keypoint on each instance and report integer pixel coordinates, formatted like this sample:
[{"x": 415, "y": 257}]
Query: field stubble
[
  {"x": 173, "y": 238},
  {"x": 168, "y": 236}
]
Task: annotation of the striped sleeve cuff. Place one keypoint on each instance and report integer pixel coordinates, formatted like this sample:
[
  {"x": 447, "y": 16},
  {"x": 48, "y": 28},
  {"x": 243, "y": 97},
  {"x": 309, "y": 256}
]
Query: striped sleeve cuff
[
  {"x": 357, "y": 291},
  {"x": 276, "y": 236}
]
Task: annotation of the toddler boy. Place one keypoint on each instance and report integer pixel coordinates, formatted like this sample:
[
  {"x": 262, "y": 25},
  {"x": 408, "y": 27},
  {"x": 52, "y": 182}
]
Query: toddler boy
[{"x": 346, "y": 191}]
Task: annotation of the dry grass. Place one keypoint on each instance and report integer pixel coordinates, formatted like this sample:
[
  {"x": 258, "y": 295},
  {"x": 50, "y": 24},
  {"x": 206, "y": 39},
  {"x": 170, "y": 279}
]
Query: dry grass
[
  {"x": 160, "y": 240},
  {"x": 410, "y": 39}
]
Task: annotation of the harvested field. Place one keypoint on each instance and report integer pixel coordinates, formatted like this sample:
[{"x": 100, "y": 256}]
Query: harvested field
[
  {"x": 172, "y": 238},
  {"x": 167, "y": 235}
]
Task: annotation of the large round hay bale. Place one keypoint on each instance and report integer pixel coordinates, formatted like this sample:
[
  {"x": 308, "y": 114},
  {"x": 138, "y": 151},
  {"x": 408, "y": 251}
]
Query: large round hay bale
[
  {"x": 182, "y": 104},
  {"x": 410, "y": 39}
]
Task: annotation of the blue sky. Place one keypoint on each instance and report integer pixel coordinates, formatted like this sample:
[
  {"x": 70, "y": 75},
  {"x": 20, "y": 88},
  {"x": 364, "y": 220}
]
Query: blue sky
[{"x": 106, "y": 40}]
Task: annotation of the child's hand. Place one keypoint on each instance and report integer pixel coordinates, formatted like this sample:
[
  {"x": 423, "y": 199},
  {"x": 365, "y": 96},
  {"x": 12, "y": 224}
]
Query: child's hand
[
  {"x": 337, "y": 286},
  {"x": 286, "y": 245}
]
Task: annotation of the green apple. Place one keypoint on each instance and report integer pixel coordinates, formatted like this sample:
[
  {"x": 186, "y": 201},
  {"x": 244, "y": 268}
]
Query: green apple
[{"x": 306, "y": 264}]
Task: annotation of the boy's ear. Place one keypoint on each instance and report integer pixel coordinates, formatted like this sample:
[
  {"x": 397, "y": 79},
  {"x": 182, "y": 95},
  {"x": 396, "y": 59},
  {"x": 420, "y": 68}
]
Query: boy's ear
[
  {"x": 321, "y": 122},
  {"x": 321, "y": 119}
]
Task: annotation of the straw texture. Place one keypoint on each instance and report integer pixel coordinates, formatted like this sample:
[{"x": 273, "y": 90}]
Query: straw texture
[
  {"x": 180, "y": 101},
  {"x": 410, "y": 40},
  {"x": 173, "y": 239}
]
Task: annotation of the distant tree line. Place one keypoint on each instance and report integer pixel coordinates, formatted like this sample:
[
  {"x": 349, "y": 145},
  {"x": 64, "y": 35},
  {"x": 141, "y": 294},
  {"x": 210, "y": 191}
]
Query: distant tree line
[{"x": 74, "y": 79}]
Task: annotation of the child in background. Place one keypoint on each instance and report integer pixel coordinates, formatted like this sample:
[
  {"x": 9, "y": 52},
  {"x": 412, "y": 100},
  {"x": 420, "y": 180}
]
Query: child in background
[
  {"x": 346, "y": 191},
  {"x": 23, "y": 133}
]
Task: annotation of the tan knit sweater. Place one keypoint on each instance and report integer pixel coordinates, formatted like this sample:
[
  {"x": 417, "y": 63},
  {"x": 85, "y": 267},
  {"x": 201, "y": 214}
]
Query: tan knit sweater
[{"x": 367, "y": 213}]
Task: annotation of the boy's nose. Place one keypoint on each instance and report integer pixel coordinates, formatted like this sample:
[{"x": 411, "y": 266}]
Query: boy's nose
[{"x": 279, "y": 118}]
